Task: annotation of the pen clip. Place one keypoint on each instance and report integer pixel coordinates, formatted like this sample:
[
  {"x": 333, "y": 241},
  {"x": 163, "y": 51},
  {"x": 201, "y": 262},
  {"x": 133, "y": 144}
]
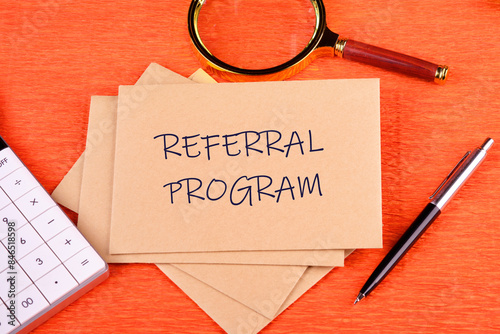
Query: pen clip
[{"x": 450, "y": 174}]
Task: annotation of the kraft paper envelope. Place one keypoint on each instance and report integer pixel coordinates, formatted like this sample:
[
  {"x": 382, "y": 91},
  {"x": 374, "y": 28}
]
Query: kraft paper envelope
[
  {"x": 312, "y": 183},
  {"x": 94, "y": 218}
]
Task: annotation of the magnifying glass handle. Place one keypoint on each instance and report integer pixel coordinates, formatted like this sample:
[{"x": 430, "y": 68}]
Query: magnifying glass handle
[{"x": 391, "y": 60}]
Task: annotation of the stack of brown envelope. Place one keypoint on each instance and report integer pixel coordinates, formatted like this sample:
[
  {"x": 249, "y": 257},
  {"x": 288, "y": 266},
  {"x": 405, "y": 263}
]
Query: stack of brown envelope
[{"x": 213, "y": 272}]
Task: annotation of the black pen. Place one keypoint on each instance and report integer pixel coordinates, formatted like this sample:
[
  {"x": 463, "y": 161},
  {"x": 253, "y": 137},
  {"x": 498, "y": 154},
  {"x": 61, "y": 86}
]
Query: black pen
[{"x": 439, "y": 199}]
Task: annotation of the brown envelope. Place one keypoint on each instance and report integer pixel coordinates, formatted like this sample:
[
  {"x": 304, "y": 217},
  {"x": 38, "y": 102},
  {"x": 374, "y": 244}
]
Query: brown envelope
[{"x": 328, "y": 151}]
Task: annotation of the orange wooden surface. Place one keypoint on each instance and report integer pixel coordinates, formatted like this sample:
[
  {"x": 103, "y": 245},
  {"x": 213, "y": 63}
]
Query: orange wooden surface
[{"x": 55, "y": 54}]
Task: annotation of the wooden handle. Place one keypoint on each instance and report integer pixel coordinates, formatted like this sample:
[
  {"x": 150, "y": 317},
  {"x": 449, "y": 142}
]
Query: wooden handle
[{"x": 394, "y": 61}]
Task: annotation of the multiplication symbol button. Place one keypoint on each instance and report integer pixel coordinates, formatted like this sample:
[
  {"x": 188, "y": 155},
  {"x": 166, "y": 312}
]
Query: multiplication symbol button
[{"x": 35, "y": 203}]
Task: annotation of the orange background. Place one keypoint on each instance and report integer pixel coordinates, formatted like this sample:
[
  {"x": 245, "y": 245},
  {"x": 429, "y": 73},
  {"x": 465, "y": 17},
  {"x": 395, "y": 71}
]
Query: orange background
[{"x": 55, "y": 54}]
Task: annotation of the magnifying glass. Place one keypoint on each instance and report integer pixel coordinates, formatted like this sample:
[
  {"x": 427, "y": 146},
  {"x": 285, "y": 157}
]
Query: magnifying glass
[{"x": 276, "y": 43}]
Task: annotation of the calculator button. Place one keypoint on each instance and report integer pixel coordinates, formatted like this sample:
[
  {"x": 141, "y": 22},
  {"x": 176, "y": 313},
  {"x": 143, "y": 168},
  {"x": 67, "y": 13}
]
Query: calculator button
[
  {"x": 68, "y": 243},
  {"x": 18, "y": 183},
  {"x": 51, "y": 222},
  {"x": 26, "y": 240},
  {"x": 85, "y": 264},
  {"x": 7, "y": 324},
  {"x": 9, "y": 162},
  {"x": 29, "y": 302},
  {"x": 20, "y": 278},
  {"x": 13, "y": 215},
  {"x": 34, "y": 203},
  {"x": 56, "y": 284},
  {"x": 39, "y": 262}
]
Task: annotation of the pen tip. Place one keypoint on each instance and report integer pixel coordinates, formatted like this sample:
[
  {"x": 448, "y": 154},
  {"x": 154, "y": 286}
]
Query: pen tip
[{"x": 360, "y": 296}]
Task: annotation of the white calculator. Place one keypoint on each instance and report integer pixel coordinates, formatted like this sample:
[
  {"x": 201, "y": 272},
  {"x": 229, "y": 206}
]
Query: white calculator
[{"x": 45, "y": 263}]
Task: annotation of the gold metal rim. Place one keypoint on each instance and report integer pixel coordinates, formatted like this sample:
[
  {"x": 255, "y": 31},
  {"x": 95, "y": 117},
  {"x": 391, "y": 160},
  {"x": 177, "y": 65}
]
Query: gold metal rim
[{"x": 279, "y": 72}]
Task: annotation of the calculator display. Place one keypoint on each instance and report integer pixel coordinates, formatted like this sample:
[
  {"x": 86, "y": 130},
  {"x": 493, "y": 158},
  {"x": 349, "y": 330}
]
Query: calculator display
[{"x": 45, "y": 262}]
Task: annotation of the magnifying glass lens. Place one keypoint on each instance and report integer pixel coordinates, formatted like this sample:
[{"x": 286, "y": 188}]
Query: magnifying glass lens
[{"x": 249, "y": 34}]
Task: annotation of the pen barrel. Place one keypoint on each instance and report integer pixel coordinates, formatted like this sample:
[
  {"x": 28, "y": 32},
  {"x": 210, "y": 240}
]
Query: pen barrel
[
  {"x": 416, "y": 229},
  {"x": 394, "y": 61}
]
